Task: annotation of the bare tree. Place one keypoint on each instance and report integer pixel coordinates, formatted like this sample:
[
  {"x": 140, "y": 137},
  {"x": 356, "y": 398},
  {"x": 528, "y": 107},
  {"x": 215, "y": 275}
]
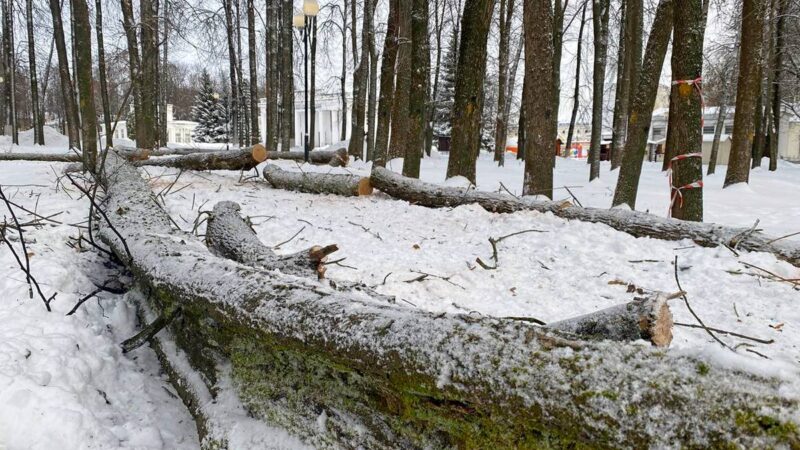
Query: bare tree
[
  {"x": 576, "y": 93},
  {"x": 501, "y": 127},
  {"x": 67, "y": 89},
  {"x": 360, "y": 85},
  {"x": 83, "y": 52},
  {"x": 538, "y": 91},
  {"x": 417, "y": 103},
  {"x": 386, "y": 97},
  {"x": 38, "y": 117},
  {"x": 470, "y": 75},
  {"x": 287, "y": 75},
  {"x": 252, "y": 66},
  {"x": 402, "y": 91},
  {"x": 101, "y": 63},
  {"x": 600, "y": 16}
]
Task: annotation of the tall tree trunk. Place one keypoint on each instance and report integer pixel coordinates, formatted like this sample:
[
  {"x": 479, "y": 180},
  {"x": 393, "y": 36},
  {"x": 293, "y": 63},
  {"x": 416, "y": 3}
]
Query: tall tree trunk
[
  {"x": 402, "y": 92},
  {"x": 343, "y": 78},
  {"x": 243, "y": 109},
  {"x": 438, "y": 25},
  {"x": 600, "y": 16},
  {"x": 641, "y": 111},
  {"x": 233, "y": 98},
  {"x": 764, "y": 118},
  {"x": 722, "y": 111},
  {"x": 512, "y": 82},
  {"x": 83, "y": 50},
  {"x": 146, "y": 138},
  {"x": 777, "y": 81},
  {"x": 101, "y": 63},
  {"x": 11, "y": 69},
  {"x": 685, "y": 110},
  {"x": 576, "y": 93},
  {"x": 3, "y": 71},
  {"x": 360, "y": 86},
  {"x": 770, "y": 139},
  {"x": 559, "y": 11},
  {"x": 67, "y": 90},
  {"x": 287, "y": 76},
  {"x": 470, "y": 75},
  {"x": 38, "y": 118},
  {"x": 386, "y": 96},
  {"x": 372, "y": 99},
  {"x": 631, "y": 54},
  {"x": 164, "y": 79},
  {"x": 748, "y": 91},
  {"x": 538, "y": 91},
  {"x": 252, "y": 64},
  {"x": 417, "y": 103},
  {"x": 271, "y": 88},
  {"x": 506, "y": 14},
  {"x": 312, "y": 95}
]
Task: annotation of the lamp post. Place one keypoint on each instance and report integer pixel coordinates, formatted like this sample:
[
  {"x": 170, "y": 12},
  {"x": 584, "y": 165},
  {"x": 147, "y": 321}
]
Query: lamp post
[{"x": 300, "y": 21}]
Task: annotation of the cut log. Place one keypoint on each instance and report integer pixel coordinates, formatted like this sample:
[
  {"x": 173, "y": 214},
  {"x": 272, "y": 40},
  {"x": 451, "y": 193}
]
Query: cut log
[
  {"x": 229, "y": 236},
  {"x": 383, "y": 376},
  {"x": 335, "y": 158},
  {"x": 44, "y": 157},
  {"x": 635, "y": 223},
  {"x": 318, "y": 183},
  {"x": 647, "y": 318},
  {"x": 245, "y": 159},
  {"x": 167, "y": 151}
]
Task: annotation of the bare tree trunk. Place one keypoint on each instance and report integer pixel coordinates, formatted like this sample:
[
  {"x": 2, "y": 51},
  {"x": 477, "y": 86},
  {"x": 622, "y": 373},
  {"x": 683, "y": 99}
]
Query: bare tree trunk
[
  {"x": 252, "y": 65},
  {"x": 438, "y": 23},
  {"x": 134, "y": 62},
  {"x": 420, "y": 52},
  {"x": 312, "y": 95},
  {"x": 641, "y": 110},
  {"x": 146, "y": 134},
  {"x": 512, "y": 82},
  {"x": 559, "y": 10},
  {"x": 777, "y": 94},
  {"x": 764, "y": 122},
  {"x": 67, "y": 90},
  {"x": 402, "y": 92},
  {"x": 686, "y": 111},
  {"x": 539, "y": 90},
  {"x": 101, "y": 63},
  {"x": 164, "y": 79},
  {"x": 243, "y": 111},
  {"x": 83, "y": 50},
  {"x": 506, "y": 14},
  {"x": 372, "y": 99},
  {"x": 343, "y": 78},
  {"x": 271, "y": 88},
  {"x": 233, "y": 97},
  {"x": 38, "y": 117},
  {"x": 470, "y": 75},
  {"x": 722, "y": 111},
  {"x": 11, "y": 69},
  {"x": 600, "y": 16},
  {"x": 748, "y": 91},
  {"x": 576, "y": 93},
  {"x": 631, "y": 54},
  {"x": 386, "y": 97},
  {"x": 287, "y": 76},
  {"x": 360, "y": 81},
  {"x": 523, "y": 122}
]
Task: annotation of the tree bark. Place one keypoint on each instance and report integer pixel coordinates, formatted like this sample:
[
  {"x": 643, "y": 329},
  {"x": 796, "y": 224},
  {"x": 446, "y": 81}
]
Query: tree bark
[
  {"x": 360, "y": 86},
  {"x": 637, "y": 224},
  {"x": 402, "y": 91},
  {"x": 229, "y": 236},
  {"x": 470, "y": 75},
  {"x": 718, "y": 128},
  {"x": 372, "y": 98},
  {"x": 101, "y": 66},
  {"x": 417, "y": 105},
  {"x": 345, "y": 185},
  {"x": 45, "y": 157},
  {"x": 272, "y": 75},
  {"x": 389, "y": 376},
  {"x": 146, "y": 133},
  {"x": 641, "y": 108},
  {"x": 778, "y": 79},
  {"x": 577, "y": 91},
  {"x": 600, "y": 17},
  {"x": 83, "y": 56},
  {"x": 334, "y": 158},
  {"x": 252, "y": 65},
  {"x": 67, "y": 88},
  {"x": 233, "y": 96},
  {"x": 245, "y": 159},
  {"x": 506, "y": 14},
  {"x": 747, "y": 92},
  {"x": 540, "y": 117},
  {"x": 287, "y": 77},
  {"x": 386, "y": 97},
  {"x": 38, "y": 117},
  {"x": 686, "y": 110}
]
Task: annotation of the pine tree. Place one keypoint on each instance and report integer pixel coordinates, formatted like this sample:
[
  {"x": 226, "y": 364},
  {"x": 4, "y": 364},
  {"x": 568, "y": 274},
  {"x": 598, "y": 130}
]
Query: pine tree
[
  {"x": 209, "y": 113},
  {"x": 442, "y": 122}
]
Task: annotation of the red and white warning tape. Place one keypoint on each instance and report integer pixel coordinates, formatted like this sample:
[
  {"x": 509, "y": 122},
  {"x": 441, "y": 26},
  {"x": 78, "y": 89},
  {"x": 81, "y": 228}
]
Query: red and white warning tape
[{"x": 677, "y": 191}]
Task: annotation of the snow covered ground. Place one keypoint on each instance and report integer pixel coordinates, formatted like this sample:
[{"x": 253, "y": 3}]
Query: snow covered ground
[{"x": 65, "y": 384}]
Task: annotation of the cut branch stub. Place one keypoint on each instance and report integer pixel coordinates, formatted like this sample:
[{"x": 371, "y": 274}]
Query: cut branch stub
[
  {"x": 229, "y": 236},
  {"x": 647, "y": 318}
]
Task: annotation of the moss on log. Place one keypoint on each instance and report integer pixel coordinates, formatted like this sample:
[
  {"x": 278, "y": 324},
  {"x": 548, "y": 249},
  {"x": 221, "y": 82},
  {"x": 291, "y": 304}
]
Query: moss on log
[
  {"x": 346, "y": 371},
  {"x": 318, "y": 183},
  {"x": 635, "y": 223}
]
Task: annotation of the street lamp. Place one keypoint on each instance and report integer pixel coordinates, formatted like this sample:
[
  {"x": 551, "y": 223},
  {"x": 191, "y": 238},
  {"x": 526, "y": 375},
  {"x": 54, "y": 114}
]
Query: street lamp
[{"x": 301, "y": 22}]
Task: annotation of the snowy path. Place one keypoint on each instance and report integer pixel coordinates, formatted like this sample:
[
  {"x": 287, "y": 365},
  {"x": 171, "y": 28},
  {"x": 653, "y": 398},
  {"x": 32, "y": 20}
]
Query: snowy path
[{"x": 64, "y": 383}]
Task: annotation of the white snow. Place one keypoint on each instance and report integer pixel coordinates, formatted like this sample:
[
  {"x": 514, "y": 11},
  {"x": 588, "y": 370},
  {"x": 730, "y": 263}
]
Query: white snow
[{"x": 55, "y": 370}]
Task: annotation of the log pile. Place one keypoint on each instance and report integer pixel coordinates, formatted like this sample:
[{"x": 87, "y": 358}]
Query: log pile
[
  {"x": 384, "y": 376},
  {"x": 318, "y": 183},
  {"x": 635, "y": 223}
]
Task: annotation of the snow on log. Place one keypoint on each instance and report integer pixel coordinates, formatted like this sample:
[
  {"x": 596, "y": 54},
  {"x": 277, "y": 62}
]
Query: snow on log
[
  {"x": 647, "y": 318},
  {"x": 229, "y": 236},
  {"x": 341, "y": 370},
  {"x": 165, "y": 151},
  {"x": 635, "y": 223},
  {"x": 245, "y": 159},
  {"x": 44, "y": 157},
  {"x": 335, "y": 158},
  {"x": 318, "y": 183}
]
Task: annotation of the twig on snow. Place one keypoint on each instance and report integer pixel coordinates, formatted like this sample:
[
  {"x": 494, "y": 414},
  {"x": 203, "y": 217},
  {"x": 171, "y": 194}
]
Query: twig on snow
[
  {"x": 290, "y": 239},
  {"x": 82, "y": 301},
  {"x": 688, "y": 306},
  {"x": 730, "y": 333}
]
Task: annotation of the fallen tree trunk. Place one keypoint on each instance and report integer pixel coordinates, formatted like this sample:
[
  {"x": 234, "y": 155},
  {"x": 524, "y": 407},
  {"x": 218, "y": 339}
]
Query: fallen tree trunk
[
  {"x": 245, "y": 159},
  {"x": 383, "y": 376},
  {"x": 229, "y": 236},
  {"x": 335, "y": 158},
  {"x": 167, "y": 151},
  {"x": 44, "y": 157},
  {"x": 635, "y": 223},
  {"x": 318, "y": 183}
]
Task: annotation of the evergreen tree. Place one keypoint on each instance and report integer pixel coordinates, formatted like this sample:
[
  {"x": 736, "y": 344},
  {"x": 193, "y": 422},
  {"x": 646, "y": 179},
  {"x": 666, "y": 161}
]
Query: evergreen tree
[
  {"x": 209, "y": 113},
  {"x": 442, "y": 121}
]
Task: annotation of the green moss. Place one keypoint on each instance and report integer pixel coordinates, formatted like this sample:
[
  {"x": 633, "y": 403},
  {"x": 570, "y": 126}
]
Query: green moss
[
  {"x": 703, "y": 369},
  {"x": 757, "y": 424}
]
